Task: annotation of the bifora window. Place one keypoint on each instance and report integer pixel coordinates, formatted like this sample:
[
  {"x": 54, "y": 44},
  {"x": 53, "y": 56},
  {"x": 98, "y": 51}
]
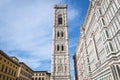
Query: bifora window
[
  {"x": 65, "y": 68},
  {"x": 62, "y": 48},
  {"x": 57, "y": 47},
  {"x": 59, "y": 19},
  {"x": 62, "y": 34},
  {"x": 58, "y": 34},
  {"x": 55, "y": 69}
]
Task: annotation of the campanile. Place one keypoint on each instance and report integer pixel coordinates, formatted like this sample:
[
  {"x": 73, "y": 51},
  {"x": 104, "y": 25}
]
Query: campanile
[{"x": 60, "y": 67}]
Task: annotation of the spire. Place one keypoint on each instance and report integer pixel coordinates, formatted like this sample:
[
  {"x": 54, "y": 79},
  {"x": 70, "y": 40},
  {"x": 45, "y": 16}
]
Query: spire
[{"x": 61, "y": 1}]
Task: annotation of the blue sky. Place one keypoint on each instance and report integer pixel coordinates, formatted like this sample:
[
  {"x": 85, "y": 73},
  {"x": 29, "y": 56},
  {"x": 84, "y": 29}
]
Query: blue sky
[{"x": 26, "y": 29}]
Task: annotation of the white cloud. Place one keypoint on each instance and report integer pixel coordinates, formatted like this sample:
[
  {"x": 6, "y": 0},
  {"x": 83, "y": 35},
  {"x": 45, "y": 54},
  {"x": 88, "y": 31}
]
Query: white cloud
[
  {"x": 33, "y": 63},
  {"x": 72, "y": 13},
  {"x": 26, "y": 27}
]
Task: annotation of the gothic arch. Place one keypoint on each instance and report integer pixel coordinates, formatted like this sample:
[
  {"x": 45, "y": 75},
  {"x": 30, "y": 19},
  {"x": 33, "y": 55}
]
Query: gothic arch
[
  {"x": 58, "y": 47},
  {"x": 65, "y": 68},
  {"x": 62, "y": 34},
  {"x": 62, "y": 47},
  {"x": 60, "y": 19},
  {"x": 58, "y": 34}
]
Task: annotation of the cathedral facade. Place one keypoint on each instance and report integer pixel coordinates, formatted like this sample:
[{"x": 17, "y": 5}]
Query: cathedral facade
[{"x": 98, "y": 52}]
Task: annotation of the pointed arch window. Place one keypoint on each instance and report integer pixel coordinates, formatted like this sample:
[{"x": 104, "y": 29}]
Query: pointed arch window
[
  {"x": 103, "y": 21},
  {"x": 62, "y": 48},
  {"x": 111, "y": 47},
  {"x": 59, "y": 19},
  {"x": 58, "y": 34},
  {"x": 55, "y": 69},
  {"x": 100, "y": 12},
  {"x": 65, "y": 68},
  {"x": 107, "y": 34},
  {"x": 62, "y": 34},
  {"x": 58, "y": 68},
  {"x": 58, "y": 48}
]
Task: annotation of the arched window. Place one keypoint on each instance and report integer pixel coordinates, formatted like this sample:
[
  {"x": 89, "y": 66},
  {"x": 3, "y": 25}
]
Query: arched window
[
  {"x": 39, "y": 78},
  {"x": 111, "y": 47},
  {"x": 107, "y": 34},
  {"x": 35, "y": 78},
  {"x": 55, "y": 69},
  {"x": 62, "y": 48},
  {"x": 42, "y": 78},
  {"x": 59, "y": 19},
  {"x": 103, "y": 21},
  {"x": 118, "y": 69},
  {"x": 58, "y": 48},
  {"x": 58, "y": 34},
  {"x": 62, "y": 34},
  {"x": 65, "y": 68},
  {"x": 59, "y": 69}
]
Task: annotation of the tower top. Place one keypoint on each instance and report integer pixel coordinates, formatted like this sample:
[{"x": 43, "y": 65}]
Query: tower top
[{"x": 60, "y": 6}]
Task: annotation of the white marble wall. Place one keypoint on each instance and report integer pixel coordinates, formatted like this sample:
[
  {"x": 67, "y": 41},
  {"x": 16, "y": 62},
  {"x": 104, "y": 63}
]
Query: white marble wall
[
  {"x": 97, "y": 54},
  {"x": 60, "y": 58}
]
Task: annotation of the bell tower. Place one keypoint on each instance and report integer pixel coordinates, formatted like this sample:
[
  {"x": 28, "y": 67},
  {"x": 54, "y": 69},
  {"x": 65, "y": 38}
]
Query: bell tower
[{"x": 60, "y": 69}]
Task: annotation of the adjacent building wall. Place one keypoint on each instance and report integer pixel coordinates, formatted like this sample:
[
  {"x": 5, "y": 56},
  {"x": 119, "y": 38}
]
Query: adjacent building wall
[
  {"x": 8, "y": 67},
  {"x": 41, "y": 75},
  {"x": 98, "y": 51},
  {"x": 25, "y": 72}
]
